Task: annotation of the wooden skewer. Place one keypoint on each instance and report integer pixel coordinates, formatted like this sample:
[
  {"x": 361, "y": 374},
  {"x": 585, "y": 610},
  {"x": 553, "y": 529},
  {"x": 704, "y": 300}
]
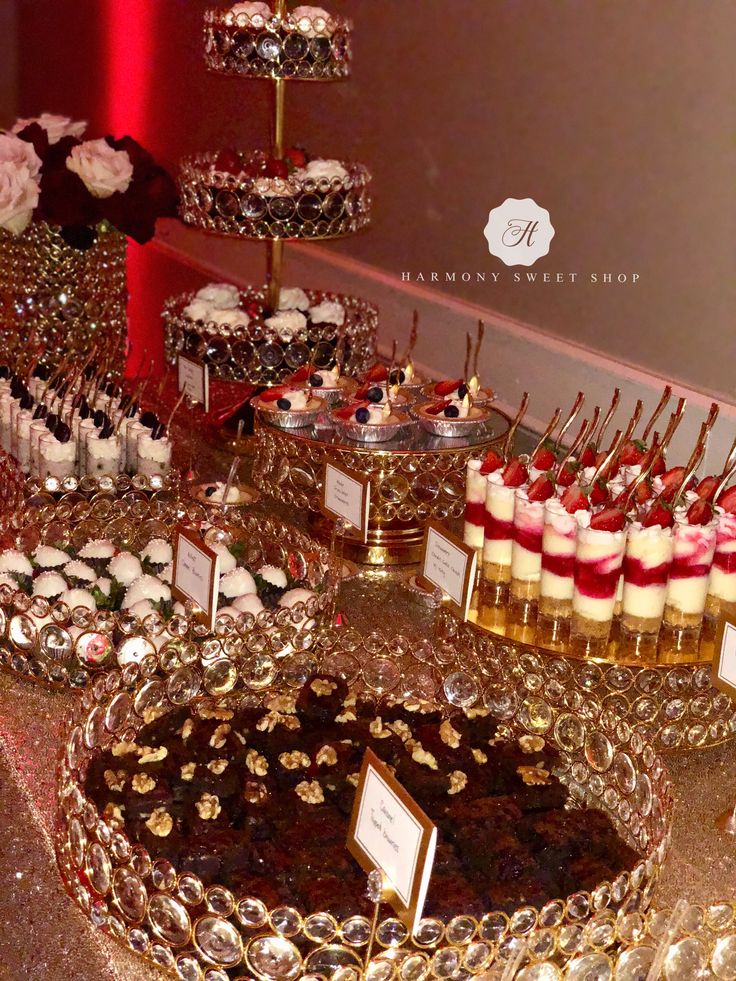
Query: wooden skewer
[
  {"x": 666, "y": 395},
  {"x": 230, "y": 477},
  {"x": 608, "y": 417},
  {"x": 468, "y": 353},
  {"x": 727, "y": 475},
  {"x": 508, "y": 442},
  {"x": 547, "y": 433},
  {"x": 618, "y": 442},
  {"x": 693, "y": 463},
  {"x": 175, "y": 409},
  {"x": 570, "y": 419},
  {"x": 413, "y": 336},
  {"x": 585, "y": 430},
  {"x": 478, "y": 345}
]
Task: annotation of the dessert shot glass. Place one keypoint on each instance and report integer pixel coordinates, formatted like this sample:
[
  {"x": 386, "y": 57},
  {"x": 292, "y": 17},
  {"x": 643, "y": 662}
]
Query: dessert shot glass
[
  {"x": 526, "y": 550},
  {"x": 720, "y": 603},
  {"x": 57, "y": 459},
  {"x": 647, "y": 565},
  {"x": 498, "y": 538},
  {"x": 557, "y": 581},
  {"x": 687, "y": 586},
  {"x": 598, "y": 559},
  {"x": 153, "y": 455},
  {"x": 475, "y": 507},
  {"x": 103, "y": 455}
]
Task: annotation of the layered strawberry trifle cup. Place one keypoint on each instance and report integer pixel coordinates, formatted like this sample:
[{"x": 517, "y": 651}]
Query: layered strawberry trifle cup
[
  {"x": 601, "y": 541},
  {"x": 499, "y": 525},
  {"x": 694, "y": 547},
  {"x": 721, "y": 600}
]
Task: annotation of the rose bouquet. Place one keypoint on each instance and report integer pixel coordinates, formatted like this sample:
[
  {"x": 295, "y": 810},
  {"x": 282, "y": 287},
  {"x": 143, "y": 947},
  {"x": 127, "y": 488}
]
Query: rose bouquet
[{"x": 49, "y": 174}]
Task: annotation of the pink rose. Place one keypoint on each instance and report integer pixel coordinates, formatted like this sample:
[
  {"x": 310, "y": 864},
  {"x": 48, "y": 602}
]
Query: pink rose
[
  {"x": 19, "y": 187},
  {"x": 56, "y": 126},
  {"x": 103, "y": 170}
]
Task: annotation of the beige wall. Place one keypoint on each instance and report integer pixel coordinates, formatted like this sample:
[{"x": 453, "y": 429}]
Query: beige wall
[{"x": 618, "y": 117}]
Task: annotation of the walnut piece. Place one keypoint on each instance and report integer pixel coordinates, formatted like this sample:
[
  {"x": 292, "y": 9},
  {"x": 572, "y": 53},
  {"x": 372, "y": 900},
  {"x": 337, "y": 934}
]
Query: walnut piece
[
  {"x": 214, "y": 712},
  {"x": 255, "y": 792},
  {"x": 208, "y": 807},
  {"x": 310, "y": 793},
  {"x": 219, "y": 736},
  {"x": 269, "y": 722},
  {"x": 531, "y": 744},
  {"x": 322, "y": 687},
  {"x": 295, "y": 760},
  {"x": 377, "y": 730},
  {"x": 124, "y": 748},
  {"x": 458, "y": 782},
  {"x": 449, "y": 736},
  {"x": 476, "y": 713},
  {"x": 347, "y": 716},
  {"x": 353, "y": 779},
  {"x": 113, "y": 814},
  {"x": 401, "y": 729},
  {"x": 115, "y": 779},
  {"x": 284, "y": 704},
  {"x": 479, "y": 756},
  {"x": 153, "y": 712},
  {"x": 155, "y": 755},
  {"x": 187, "y": 729},
  {"x": 142, "y": 783},
  {"x": 257, "y": 764},
  {"x": 187, "y": 771},
  {"x": 534, "y": 775},
  {"x": 160, "y": 823},
  {"x": 326, "y": 756},
  {"x": 217, "y": 766},
  {"x": 420, "y": 755}
]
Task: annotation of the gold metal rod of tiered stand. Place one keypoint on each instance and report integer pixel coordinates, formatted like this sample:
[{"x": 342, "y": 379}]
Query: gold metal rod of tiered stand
[{"x": 276, "y": 247}]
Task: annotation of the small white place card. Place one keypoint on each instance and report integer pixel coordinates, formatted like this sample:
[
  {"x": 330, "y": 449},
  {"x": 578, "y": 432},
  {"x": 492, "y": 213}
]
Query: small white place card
[
  {"x": 450, "y": 564},
  {"x": 724, "y": 661},
  {"x": 347, "y": 495},
  {"x": 196, "y": 575},
  {"x": 194, "y": 379},
  {"x": 391, "y": 833}
]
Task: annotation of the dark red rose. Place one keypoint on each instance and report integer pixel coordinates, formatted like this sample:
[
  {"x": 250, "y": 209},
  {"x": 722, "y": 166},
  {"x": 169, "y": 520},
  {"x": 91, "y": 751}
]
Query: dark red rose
[
  {"x": 38, "y": 136},
  {"x": 64, "y": 199}
]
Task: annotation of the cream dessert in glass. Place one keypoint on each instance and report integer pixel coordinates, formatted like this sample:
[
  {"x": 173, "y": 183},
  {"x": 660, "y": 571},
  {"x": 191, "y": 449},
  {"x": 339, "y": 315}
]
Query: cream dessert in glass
[
  {"x": 58, "y": 453},
  {"x": 599, "y": 554},
  {"x": 103, "y": 452},
  {"x": 559, "y": 542},
  {"x": 498, "y": 537},
  {"x": 687, "y": 588},
  {"x": 154, "y": 452},
  {"x": 721, "y": 600},
  {"x": 475, "y": 506},
  {"x": 526, "y": 549},
  {"x": 647, "y": 563}
]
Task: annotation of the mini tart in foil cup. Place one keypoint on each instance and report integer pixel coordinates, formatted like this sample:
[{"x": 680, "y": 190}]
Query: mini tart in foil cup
[
  {"x": 484, "y": 396},
  {"x": 247, "y": 497},
  {"x": 289, "y": 418},
  {"x": 342, "y": 392},
  {"x": 451, "y": 428},
  {"x": 379, "y": 432}
]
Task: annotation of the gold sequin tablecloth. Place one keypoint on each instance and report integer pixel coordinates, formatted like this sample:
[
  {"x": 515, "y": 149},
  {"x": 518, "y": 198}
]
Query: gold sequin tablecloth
[{"x": 45, "y": 937}]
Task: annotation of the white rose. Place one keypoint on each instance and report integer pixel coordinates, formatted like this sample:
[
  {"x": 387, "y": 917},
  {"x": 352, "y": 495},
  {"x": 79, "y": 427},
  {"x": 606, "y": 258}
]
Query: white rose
[
  {"x": 318, "y": 170},
  {"x": 293, "y": 299},
  {"x": 229, "y": 318},
  {"x": 220, "y": 295},
  {"x": 328, "y": 312},
  {"x": 56, "y": 126},
  {"x": 197, "y": 310},
  {"x": 102, "y": 169},
  {"x": 19, "y": 189},
  {"x": 287, "y": 323}
]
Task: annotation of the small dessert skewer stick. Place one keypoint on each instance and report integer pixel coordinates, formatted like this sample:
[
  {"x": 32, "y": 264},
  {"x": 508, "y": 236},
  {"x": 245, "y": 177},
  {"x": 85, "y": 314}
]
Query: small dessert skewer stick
[
  {"x": 693, "y": 463},
  {"x": 586, "y": 428},
  {"x": 230, "y": 477},
  {"x": 508, "y": 442},
  {"x": 608, "y": 417},
  {"x": 547, "y": 433},
  {"x": 478, "y": 345},
  {"x": 389, "y": 386},
  {"x": 577, "y": 406},
  {"x": 34, "y": 361},
  {"x": 661, "y": 405},
  {"x": 175, "y": 410},
  {"x": 412, "y": 336},
  {"x": 710, "y": 422},
  {"x": 468, "y": 355},
  {"x": 618, "y": 442},
  {"x": 723, "y": 482},
  {"x": 731, "y": 457},
  {"x": 634, "y": 421}
]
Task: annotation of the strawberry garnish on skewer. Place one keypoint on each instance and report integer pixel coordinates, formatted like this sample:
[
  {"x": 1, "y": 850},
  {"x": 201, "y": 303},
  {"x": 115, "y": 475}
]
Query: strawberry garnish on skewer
[
  {"x": 589, "y": 456},
  {"x": 707, "y": 488},
  {"x": 515, "y": 473},
  {"x": 609, "y": 519},
  {"x": 492, "y": 462},
  {"x": 633, "y": 453},
  {"x": 568, "y": 474},
  {"x": 727, "y": 500},
  {"x": 700, "y": 512},
  {"x": 660, "y": 513},
  {"x": 542, "y": 488},
  {"x": 575, "y": 499},
  {"x": 444, "y": 388},
  {"x": 544, "y": 458}
]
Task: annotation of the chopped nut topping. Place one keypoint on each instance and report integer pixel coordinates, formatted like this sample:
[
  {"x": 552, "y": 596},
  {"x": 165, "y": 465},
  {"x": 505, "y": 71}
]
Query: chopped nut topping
[
  {"x": 208, "y": 807},
  {"x": 449, "y": 736},
  {"x": 217, "y": 766},
  {"x": 417, "y": 705},
  {"x": 421, "y": 756},
  {"x": 153, "y": 712},
  {"x": 401, "y": 729},
  {"x": 160, "y": 822},
  {"x": 347, "y": 716},
  {"x": 310, "y": 793},
  {"x": 124, "y": 748},
  {"x": 240, "y": 737},
  {"x": 533, "y": 775},
  {"x": 142, "y": 783},
  {"x": 479, "y": 756},
  {"x": 187, "y": 771},
  {"x": 353, "y": 778},
  {"x": 295, "y": 760},
  {"x": 255, "y": 793},
  {"x": 377, "y": 730},
  {"x": 113, "y": 814},
  {"x": 155, "y": 755},
  {"x": 326, "y": 756},
  {"x": 285, "y": 704},
  {"x": 219, "y": 736},
  {"x": 269, "y": 722},
  {"x": 321, "y": 687},
  {"x": 458, "y": 782},
  {"x": 531, "y": 744},
  {"x": 257, "y": 764},
  {"x": 214, "y": 712},
  {"x": 115, "y": 779},
  {"x": 476, "y": 713},
  {"x": 187, "y": 729}
]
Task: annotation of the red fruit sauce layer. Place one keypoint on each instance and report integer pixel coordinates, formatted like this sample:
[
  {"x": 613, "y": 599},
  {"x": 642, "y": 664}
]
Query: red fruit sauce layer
[
  {"x": 591, "y": 580},
  {"x": 638, "y": 574},
  {"x": 725, "y": 561},
  {"x": 559, "y": 565},
  {"x": 475, "y": 513},
  {"x": 686, "y": 569},
  {"x": 498, "y": 531},
  {"x": 530, "y": 540}
]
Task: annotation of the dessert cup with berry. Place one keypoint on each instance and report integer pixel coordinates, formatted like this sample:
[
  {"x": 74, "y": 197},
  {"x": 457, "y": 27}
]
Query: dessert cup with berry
[
  {"x": 288, "y": 407},
  {"x": 328, "y": 383},
  {"x": 601, "y": 541},
  {"x": 404, "y": 376},
  {"x": 451, "y": 418},
  {"x": 457, "y": 389},
  {"x": 368, "y": 422},
  {"x": 213, "y": 495},
  {"x": 503, "y": 480},
  {"x": 695, "y": 533}
]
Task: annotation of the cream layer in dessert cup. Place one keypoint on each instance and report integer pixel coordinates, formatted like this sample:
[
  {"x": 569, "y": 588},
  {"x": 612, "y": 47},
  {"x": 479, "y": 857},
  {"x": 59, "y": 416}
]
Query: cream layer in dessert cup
[
  {"x": 598, "y": 559},
  {"x": 721, "y": 599},
  {"x": 647, "y": 564},
  {"x": 687, "y": 587},
  {"x": 103, "y": 456},
  {"x": 559, "y": 543},
  {"x": 499, "y": 530},
  {"x": 37, "y": 430},
  {"x": 132, "y": 433},
  {"x": 84, "y": 430},
  {"x": 526, "y": 548},
  {"x": 23, "y": 439},
  {"x": 57, "y": 459},
  {"x": 475, "y": 506},
  {"x": 153, "y": 455},
  {"x": 15, "y": 411}
]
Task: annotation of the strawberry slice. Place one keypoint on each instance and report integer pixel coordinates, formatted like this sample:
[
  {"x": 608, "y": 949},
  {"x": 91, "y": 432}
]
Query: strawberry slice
[
  {"x": 700, "y": 512},
  {"x": 569, "y": 474},
  {"x": 515, "y": 473},
  {"x": 659, "y": 466},
  {"x": 673, "y": 477},
  {"x": 378, "y": 373},
  {"x": 444, "y": 388},
  {"x": 706, "y": 489},
  {"x": 574, "y": 499},
  {"x": 277, "y": 168},
  {"x": 363, "y": 391},
  {"x": 598, "y": 493},
  {"x": 609, "y": 519},
  {"x": 302, "y": 375},
  {"x": 633, "y": 452},
  {"x": 588, "y": 457},
  {"x": 348, "y": 411},
  {"x": 641, "y": 495},
  {"x": 542, "y": 488},
  {"x": 273, "y": 394},
  {"x": 544, "y": 459},
  {"x": 727, "y": 500},
  {"x": 659, "y": 514},
  {"x": 491, "y": 462},
  {"x": 296, "y": 156},
  {"x": 436, "y": 407}
]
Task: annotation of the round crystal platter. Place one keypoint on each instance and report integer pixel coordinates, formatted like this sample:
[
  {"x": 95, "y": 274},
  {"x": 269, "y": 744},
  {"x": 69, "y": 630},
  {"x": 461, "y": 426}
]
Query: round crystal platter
[
  {"x": 49, "y": 641},
  {"x": 166, "y": 913},
  {"x": 309, "y": 48},
  {"x": 260, "y": 354},
  {"x": 669, "y": 701},
  {"x": 272, "y": 208},
  {"x": 414, "y": 476}
]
